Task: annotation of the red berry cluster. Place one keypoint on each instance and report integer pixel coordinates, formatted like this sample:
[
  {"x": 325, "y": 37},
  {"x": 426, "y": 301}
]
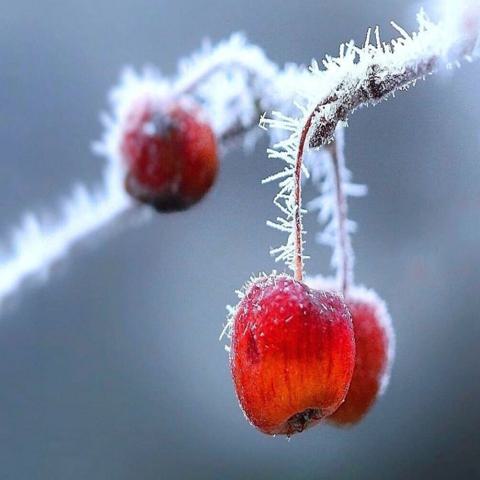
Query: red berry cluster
[
  {"x": 170, "y": 153},
  {"x": 302, "y": 353}
]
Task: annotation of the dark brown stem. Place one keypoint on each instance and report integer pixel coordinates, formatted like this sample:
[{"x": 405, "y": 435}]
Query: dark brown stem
[{"x": 378, "y": 84}]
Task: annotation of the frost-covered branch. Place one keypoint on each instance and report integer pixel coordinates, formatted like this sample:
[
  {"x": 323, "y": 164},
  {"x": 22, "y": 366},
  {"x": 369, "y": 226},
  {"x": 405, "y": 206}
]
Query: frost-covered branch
[
  {"x": 368, "y": 75},
  {"x": 235, "y": 82},
  {"x": 359, "y": 76},
  {"x": 37, "y": 244},
  {"x": 233, "y": 54}
]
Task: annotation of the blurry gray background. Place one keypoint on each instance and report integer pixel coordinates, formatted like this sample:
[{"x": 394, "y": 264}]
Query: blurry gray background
[{"x": 113, "y": 370}]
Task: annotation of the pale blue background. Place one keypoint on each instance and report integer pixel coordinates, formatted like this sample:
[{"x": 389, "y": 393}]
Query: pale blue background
[{"x": 114, "y": 371}]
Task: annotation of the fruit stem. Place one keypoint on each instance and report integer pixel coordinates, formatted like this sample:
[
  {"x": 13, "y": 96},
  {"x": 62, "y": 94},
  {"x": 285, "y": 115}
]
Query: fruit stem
[
  {"x": 298, "y": 198},
  {"x": 337, "y": 156},
  {"x": 344, "y": 266}
]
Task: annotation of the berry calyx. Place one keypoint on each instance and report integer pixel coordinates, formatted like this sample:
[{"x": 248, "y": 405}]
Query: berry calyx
[
  {"x": 170, "y": 153},
  {"x": 375, "y": 345},
  {"x": 292, "y": 354}
]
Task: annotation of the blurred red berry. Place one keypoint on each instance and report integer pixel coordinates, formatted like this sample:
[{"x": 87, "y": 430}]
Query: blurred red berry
[
  {"x": 170, "y": 153},
  {"x": 292, "y": 354},
  {"x": 372, "y": 360},
  {"x": 374, "y": 342}
]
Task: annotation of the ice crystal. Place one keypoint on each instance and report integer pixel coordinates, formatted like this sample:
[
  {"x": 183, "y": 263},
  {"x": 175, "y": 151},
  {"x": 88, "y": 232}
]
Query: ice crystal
[
  {"x": 230, "y": 80},
  {"x": 285, "y": 200}
]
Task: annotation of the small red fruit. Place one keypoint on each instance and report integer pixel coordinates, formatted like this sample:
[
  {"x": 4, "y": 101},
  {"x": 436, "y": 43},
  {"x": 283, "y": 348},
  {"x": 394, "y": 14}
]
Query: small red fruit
[
  {"x": 292, "y": 354},
  {"x": 170, "y": 153},
  {"x": 375, "y": 344}
]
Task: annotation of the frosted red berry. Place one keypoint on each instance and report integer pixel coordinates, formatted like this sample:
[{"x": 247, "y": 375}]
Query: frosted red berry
[
  {"x": 170, "y": 153},
  {"x": 292, "y": 354},
  {"x": 374, "y": 345}
]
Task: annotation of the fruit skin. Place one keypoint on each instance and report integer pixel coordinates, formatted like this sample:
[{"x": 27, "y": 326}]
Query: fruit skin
[
  {"x": 375, "y": 344},
  {"x": 292, "y": 354},
  {"x": 170, "y": 153}
]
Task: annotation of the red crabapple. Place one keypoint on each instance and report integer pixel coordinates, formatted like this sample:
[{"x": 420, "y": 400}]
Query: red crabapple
[
  {"x": 292, "y": 354},
  {"x": 374, "y": 342},
  {"x": 170, "y": 153}
]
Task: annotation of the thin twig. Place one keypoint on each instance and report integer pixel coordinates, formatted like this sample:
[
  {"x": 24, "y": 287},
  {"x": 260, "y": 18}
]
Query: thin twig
[{"x": 375, "y": 75}]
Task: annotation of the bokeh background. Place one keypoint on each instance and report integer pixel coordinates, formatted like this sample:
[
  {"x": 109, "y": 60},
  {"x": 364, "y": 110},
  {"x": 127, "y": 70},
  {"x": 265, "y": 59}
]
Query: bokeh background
[{"x": 113, "y": 370}]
